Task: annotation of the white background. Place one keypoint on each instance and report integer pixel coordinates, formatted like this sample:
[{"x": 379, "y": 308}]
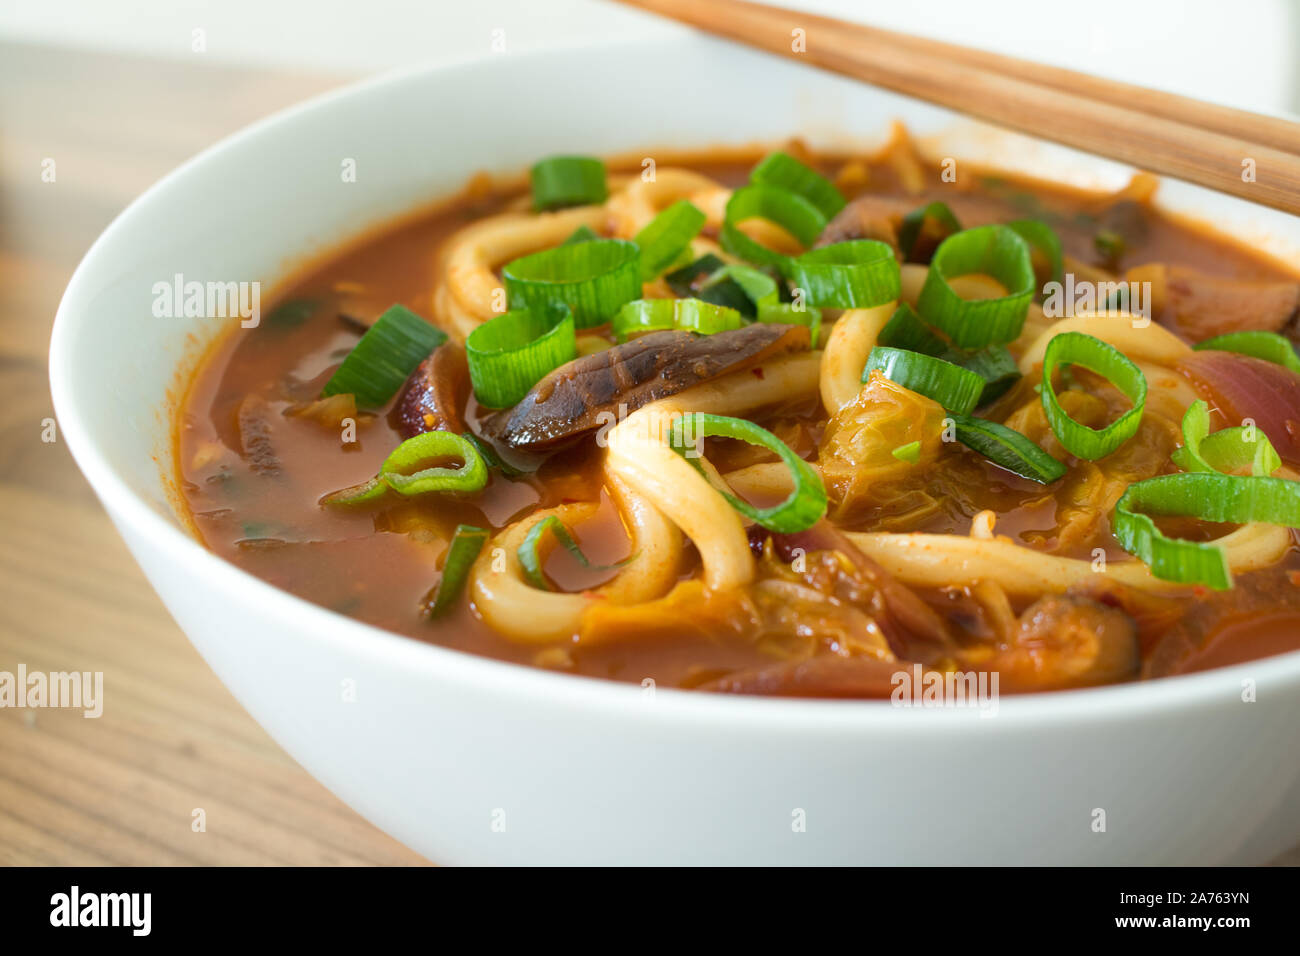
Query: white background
[{"x": 1240, "y": 52}]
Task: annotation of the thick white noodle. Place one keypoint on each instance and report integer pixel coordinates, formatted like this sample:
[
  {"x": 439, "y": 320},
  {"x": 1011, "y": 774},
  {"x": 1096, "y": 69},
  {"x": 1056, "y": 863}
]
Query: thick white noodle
[
  {"x": 638, "y": 454},
  {"x": 850, "y": 342},
  {"x": 523, "y": 613},
  {"x": 948, "y": 560}
]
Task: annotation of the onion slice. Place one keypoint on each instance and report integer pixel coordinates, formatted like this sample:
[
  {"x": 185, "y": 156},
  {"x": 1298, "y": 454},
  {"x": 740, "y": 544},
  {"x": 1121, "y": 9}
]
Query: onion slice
[{"x": 1240, "y": 387}]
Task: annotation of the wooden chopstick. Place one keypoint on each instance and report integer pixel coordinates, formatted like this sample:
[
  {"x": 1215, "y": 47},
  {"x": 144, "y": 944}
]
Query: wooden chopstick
[
  {"x": 1213, "y": 146},
  {"x": 1266, "y": 130}
]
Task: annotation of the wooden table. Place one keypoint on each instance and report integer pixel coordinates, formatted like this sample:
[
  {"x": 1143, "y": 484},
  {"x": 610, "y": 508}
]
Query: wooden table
[{"x": 121, "y": 789}]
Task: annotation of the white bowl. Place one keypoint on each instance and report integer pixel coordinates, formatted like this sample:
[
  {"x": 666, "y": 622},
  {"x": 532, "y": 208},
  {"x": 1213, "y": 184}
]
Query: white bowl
[{"x": 472, "y": 761}]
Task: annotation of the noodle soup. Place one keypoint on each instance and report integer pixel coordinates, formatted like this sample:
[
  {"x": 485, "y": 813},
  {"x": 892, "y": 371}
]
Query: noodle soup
[{"x": 789, "y": 425}]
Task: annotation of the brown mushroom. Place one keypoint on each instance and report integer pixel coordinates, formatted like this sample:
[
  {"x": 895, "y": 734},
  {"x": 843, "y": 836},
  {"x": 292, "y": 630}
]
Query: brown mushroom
[
  {"x": 868, "y": 217},
  {"x": 1205, "y": 306},
  {"x": 577, "y": 397},
  {"x": 1069, "y": 640},
  {"x": 434, "y": 395}
]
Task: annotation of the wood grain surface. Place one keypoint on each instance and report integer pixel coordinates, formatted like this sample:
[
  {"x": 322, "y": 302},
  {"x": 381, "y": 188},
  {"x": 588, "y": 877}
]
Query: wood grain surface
[{"x": 123, "y": 788}]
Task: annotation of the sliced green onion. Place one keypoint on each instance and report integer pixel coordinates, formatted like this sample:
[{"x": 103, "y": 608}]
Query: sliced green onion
[
  {"x": 1226, "y": 451},
  {"x": 1231, "y": 449},
  {"x": 656, "y": 315},
  {"x": 785, "y": 172},
  {"x": 1268, "y": 346},
  {"x": 807, "y": 502},
  {"x": 583, "y": 233},
  {"x": 1042, "y": 237},
  {"x": 724, "y": 290},
  {"x": 592, "y": 278},
  {"x": 666, "y": 235},
  {"x": 993, "y": 364},
  {"x": 1196, "y": 426},
  {"x": 763, "y": 298},
  {"x": 757, "y": 285},
  {"x": 857, "y": 274},
  {"x": 787, "y": 313},
  {"x": 906, "y": 330},
  {"x": 790, "y": 211},
  {"x": 1110, "y": 245},
  {"x": 568, "y": 181},
  {"x": 1236, "y": 499},
  {"x": 684, "y": 258},
  {"x": 291, "y": 314},
  {"x": 530, "y": 556},
  {"x": 471, "y": 476},
  {"x": 737, "y": 287},
  {"x": 750, "y": 291},
  {"x": 952, "y": 386},
  {"x": 490, "y": 457},
  {"x": 1008, "y": 449},
  {"x": 989, "y": 250},
  {"x": 1076, "y": 348},
  {"x": 910, "y": 453},
  {"x": 511, "y": 353},
  {"x": 686, "y": 280},
  {"x": 464, "y": 549},
  {"x": 384, "y": 358},
  {"x": 913, "y": 225},
  {"x": 400, "y": 471}
]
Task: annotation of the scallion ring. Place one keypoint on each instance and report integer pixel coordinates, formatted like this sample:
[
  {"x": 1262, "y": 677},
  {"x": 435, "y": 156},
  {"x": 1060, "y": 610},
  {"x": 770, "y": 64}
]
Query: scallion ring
[
  {"x": 952, "y": 386},
  {"x": 1236, "y": 499},
  {"x": 493, "y": 459},
  {"x": 910, "y": 453},
  {"x": 1008, "y": 449},
  {"x": 906, "y": 330},
  {"x": 757, "y": 285},
  {"x": 994, "y": 364},
  {"x": 736, "y": 287},
  {"x": 464, "y": 549},
  {"x": 1076, "y": 348},
  {"x": 568, "y": 181},
  {"x": 593, "y": 278},
  {"x": 857, "y": 274},
  {"x": 994, "y": 251},
  {"x": 1226, "y": 451},
  {"x": 1268, "y": 346},
  {"x": 913, "y": 228},
  {"x": 1042, "y": 237},
  {"x": 583, "y": 233},
  {"x": 400, "y": 471},
  {"x": 805, "y": 505},
  {"x": 763, "y": 296},
  {"x": 788, "y": 313},
  {"x": 511, "y": 353},
  {"x": 666, "y": 235},
  {"x": 384, "y": 358},
  {"x": 656, "y": 315},
  {"x": 686, "y": 280},
  {"x": 790, "y": 211},
  {"x": 529, "y": 551},
  {"x": 785, "y": 172}
]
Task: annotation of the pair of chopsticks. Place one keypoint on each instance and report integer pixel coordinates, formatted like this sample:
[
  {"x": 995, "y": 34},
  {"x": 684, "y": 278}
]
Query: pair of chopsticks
[{"x": 1245, "y": 154}]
